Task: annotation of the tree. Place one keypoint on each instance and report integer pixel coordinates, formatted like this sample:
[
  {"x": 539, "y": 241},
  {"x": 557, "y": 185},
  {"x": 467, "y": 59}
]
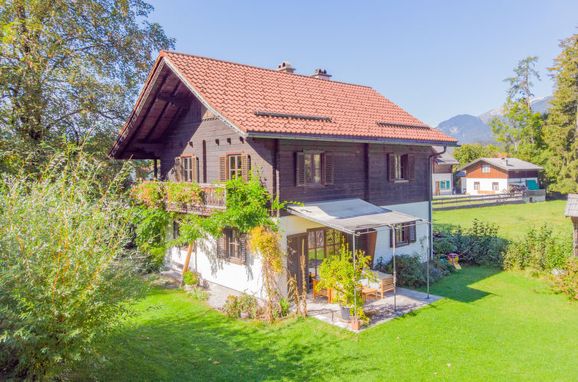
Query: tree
[
  {"x": 561, "y": 126},
  {"x": 519, "y": 129},
  {"x": 70, "y": 71},
  {"x": 471, "y": 151},
  {"x": 65, "y": 273}
]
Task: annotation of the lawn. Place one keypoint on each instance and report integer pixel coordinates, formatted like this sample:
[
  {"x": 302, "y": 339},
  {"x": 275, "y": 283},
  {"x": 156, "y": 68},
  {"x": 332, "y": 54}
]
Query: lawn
[
  {"x": 513, "y": 219},
  {"x": 492, "y": 326}
]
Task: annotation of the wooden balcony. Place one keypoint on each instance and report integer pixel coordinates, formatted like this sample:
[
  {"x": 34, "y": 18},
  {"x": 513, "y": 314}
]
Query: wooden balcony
[
  {"x": 183, "y": 197},
  {"x": 210, "y": 198}
]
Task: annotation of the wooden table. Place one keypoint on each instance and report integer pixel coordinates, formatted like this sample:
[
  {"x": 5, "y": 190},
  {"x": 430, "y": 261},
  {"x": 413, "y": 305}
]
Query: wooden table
[{"x": 367, "y": 291}]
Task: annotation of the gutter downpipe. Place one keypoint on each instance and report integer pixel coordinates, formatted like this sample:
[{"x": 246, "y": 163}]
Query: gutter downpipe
[{"x": 430, "y": 212}]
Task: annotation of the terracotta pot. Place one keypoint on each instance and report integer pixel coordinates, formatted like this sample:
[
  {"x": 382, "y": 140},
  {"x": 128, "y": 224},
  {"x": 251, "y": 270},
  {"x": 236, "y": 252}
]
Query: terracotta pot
[{"x": 355, "y": 324}]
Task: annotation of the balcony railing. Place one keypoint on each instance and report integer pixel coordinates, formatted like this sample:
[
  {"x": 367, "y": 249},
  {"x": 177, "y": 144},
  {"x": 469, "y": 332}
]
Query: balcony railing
[{"x": 183, "y": 197}]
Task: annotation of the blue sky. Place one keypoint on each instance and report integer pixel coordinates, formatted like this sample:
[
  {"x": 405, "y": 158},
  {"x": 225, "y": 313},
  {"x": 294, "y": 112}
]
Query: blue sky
[{"x": 434, "y": 58}]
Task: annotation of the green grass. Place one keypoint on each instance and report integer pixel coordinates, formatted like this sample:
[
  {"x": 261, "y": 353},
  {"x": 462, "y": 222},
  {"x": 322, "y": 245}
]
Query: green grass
[
  {"x": 491, "y": 326},
  {"x": 513, "y": 219}
]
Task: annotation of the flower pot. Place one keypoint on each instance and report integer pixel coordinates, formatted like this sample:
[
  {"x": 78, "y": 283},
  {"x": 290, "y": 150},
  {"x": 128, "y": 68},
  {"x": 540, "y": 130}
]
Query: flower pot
[
  {"x": 355, "y": 324},
  {"x": 345, "y": 313}
]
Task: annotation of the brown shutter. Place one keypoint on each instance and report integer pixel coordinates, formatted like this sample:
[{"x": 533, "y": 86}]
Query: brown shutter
[
  {"x": 390, "y": 167},
  {"x": 391, "y": 238},
  {"x": 222, "y": 246},
  {"x": 328, "y": 168},
  {"x": 243, "y": 247},
  {"x": 411, "y": 167},
  {"x": 223, "y": 169},
  {"x": 299, "y": 169},
  {"x": 245, "y": 167},
  {"x": 178, "y": 167},
  {"x": 196, "y": 177},
  {"x": 412, "y": 232}
]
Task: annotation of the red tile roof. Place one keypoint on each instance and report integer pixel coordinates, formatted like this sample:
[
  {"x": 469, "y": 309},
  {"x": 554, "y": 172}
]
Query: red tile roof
[{"x": 257, "y": 101}]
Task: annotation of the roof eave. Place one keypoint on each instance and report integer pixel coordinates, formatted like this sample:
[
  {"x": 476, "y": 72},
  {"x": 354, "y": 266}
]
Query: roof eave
[{"x": 346, "y": 138}]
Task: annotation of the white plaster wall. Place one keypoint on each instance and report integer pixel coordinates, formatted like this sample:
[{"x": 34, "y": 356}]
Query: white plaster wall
[
  {"x": 244, "y": 278},
  {"x": 485, "y": 185},
  {"x": 421, "y": 245},
  {"x": 442, "y": 177}
]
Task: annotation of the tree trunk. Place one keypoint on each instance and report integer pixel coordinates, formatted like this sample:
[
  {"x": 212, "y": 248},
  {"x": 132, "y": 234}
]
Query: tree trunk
[{"x": 187, "y": 259}]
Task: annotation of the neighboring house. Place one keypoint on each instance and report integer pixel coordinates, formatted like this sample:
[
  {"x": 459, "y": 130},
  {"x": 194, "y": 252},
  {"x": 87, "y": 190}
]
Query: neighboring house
[
  {"x": 499, "y": 175},
  {"x": 357, "y": 162},
  {"x": 443, "y": 174}
]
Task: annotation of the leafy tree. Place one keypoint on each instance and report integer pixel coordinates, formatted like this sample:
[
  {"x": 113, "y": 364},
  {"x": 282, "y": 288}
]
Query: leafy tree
[
  {"x": 469, "y": 152},
  {"x": 519, "y": 129},
  {"x": 65, "y": 274},
  {"x": 70, "y": 70},
  {"x": 562, "y": 124}
]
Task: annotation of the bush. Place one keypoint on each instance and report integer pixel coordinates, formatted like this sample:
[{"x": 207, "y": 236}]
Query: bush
[
  {"x": 65, "y": 275},
  {"x": 412, "y": 272},
  {"x": 539, "y": 250},
  {"x": 190, "y": 278},
  {"x": 477, "y": 245},
  {"x": 567, "y": 282},
  {"x": 150, "y": 226},
  {"x": 235, "y": 306}
]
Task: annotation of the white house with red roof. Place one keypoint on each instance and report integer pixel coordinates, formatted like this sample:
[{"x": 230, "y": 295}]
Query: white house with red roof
[{"x": 358, "y": 164}]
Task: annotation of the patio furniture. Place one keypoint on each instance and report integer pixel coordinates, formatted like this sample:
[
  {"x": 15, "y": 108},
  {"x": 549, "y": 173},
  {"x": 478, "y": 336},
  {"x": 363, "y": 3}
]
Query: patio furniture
[
  {"x": 383, "y": 284},
  {"x": 368, "y": 292},
  {"x": 327, "y": 293}
]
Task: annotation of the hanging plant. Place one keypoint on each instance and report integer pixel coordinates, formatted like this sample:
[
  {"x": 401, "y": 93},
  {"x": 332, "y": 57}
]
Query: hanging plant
[
  {"x": 150, "y": 193},
  {"x": 183, "y": 193}
]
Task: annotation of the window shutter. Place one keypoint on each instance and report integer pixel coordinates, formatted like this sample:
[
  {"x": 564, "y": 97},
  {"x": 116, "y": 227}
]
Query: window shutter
[
  {"x": 390, "y": 167},
  {"x": 178, "y": 167},
  {"x": 223, "y": 169},
  {"x": 390, "y": 238},
  {"x": 299, "y": 169},
  {"x": 196, "y": 175},
  {"x": 412, "y": 232},
  {"x": 243, "y": 247},
  {"x": 222, "y": 246},
  {"x": 328, "y": 170},
  {"x": 411, "y": 167},
  {"x": 245, "y": 167}
]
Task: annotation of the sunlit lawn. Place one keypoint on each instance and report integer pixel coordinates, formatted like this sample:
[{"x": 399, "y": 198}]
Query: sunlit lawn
[
  {"x": 491, "y": 326},
  {"x": 513, "y": 219}
]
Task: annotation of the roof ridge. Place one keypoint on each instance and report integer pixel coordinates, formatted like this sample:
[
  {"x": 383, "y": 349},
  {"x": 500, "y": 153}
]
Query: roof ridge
[{"x": 164, "y": 52}]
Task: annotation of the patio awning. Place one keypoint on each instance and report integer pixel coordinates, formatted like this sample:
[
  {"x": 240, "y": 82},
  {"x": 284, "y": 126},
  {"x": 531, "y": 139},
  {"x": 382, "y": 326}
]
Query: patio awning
[{"x": 350, "y": 215}]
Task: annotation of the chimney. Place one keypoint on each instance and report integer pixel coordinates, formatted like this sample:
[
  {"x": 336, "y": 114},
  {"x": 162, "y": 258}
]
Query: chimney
[
  {"x": 321, "y": 74},
  {"x": 285, "y": 67}
]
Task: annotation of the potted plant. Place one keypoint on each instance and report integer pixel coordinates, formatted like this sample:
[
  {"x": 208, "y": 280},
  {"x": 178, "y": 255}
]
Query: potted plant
[{"x": 339, "y": 274}]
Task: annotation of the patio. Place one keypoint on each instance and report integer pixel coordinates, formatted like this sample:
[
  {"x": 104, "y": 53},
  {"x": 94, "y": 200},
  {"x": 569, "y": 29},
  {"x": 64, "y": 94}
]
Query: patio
[{"x": 378, "y": 310}]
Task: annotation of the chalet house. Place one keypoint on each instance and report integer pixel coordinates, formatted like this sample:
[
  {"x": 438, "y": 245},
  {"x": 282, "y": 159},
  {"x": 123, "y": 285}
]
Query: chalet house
[
  {"x": 443, "y": 174},
  {"x": 358, "y": 163},
  {"x": 499, "y": 175}
]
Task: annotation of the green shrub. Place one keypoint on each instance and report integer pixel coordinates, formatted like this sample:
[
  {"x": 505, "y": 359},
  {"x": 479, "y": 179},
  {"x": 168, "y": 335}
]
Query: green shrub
[
  {"x": 190, "y": 278},
  {"x": 183, "y": 192},
  {"x": 235, "y": 306},
  {"x": 567, "y": 282},
  {"x": 284, "y": 307},
  {"x": 65, "y": 275},
  {"x": 150, "y": 226},
  {"x": 539, "y": 250},
  {"x": 478, "y": 244}
]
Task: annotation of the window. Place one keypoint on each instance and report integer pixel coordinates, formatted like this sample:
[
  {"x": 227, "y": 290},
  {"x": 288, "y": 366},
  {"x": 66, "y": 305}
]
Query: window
[
  {"x": 234, "y": 166},
  {"x": 314, "y": 169},
  {"x": 404, "y": 235},
  {"x": 495, "y": 186},
  {"x": 321, "y": 243},
  {"x": 186, "y": 169},
  {"x": 448, "y": 185},
  {"x": 231, "y": 246},
  {"x": 443, "y": 185},
  {"x": 486, "y": 168},
  {"x": 401, "y": 167},
  {"x": 477, "y": 186}
]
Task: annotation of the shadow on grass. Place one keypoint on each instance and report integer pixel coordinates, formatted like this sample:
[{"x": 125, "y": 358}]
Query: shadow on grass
[
  {"x": 196, "y": 343},
  {"x": 457, "y": 286}
]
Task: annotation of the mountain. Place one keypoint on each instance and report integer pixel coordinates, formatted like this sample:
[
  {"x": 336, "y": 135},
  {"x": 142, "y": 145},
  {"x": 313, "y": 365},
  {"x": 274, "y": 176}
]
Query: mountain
[{"x": 469, "y": 128}]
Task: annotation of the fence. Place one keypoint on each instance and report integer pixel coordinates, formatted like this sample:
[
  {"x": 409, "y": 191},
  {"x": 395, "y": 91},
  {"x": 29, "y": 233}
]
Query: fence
[{"x": 469, "y": 201}]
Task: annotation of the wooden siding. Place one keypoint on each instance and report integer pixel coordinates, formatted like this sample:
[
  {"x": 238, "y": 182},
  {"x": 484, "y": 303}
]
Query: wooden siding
[
  {"x": 442, "y": 168},
  {"x": 186, "y": 137},
  {"x": 475, "y": 171},
  {"x": 360, "y": 171}
]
